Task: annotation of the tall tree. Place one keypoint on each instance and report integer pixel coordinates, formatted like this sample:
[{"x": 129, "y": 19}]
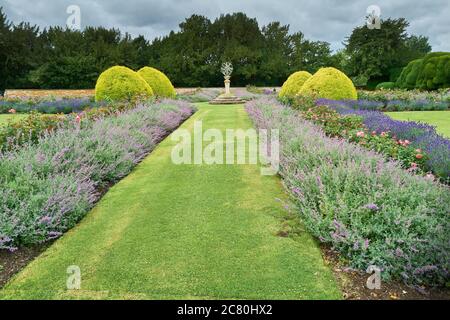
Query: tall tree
[
  {"x": 377, "y": 53},
  {"x": 277, "y": 48}
]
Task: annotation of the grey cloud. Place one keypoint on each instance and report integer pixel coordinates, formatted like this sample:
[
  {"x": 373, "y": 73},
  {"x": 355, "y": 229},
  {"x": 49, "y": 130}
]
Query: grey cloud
[{"x": 326, "y": 20}]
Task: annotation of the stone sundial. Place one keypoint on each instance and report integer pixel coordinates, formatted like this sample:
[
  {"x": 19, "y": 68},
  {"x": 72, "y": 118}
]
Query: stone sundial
[{"x": 227, "y": 97}]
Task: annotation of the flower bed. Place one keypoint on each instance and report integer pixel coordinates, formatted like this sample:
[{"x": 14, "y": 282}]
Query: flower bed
[
  {"x": 390, "y": 105},
  {"x": 35, "y": 125},
  {"x": 47, "y": 187},
  {"x": 200, "y": 95},
  {"x": 402, "y": 100},
  {"x": 352, "y": 129},
  {"x": 418, "y": 135},
  {"x": 65, "y": 105},
  {"x": 370, "y": 210},
  {"x": 46, "y": 94}
]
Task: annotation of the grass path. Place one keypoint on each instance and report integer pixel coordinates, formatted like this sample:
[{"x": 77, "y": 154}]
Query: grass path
[
  {"x": 440, "y": 119},
  {"x": 184, "y": 232}
]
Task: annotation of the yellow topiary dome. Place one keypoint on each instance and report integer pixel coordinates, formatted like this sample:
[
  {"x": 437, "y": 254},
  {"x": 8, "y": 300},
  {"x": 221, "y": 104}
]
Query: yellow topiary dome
[
  {"x": 294, "y": 83},
  {"x": 329, "y": 83},
  {"x": 121, "y": 83},
  {"x": 160, "y": 83}
]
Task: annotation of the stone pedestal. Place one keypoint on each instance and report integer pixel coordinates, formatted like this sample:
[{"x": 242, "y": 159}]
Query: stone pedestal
[
  {"x": 227, "y": 87},
  {"x": 227, "y": 97}
]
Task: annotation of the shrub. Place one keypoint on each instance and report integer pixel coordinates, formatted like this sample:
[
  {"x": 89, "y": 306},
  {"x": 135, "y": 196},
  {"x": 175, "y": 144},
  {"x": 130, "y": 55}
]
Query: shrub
[
  {"x": 370, "y": 210},
  {"x": 385, "y": 85},
  {"x": 329, "y": 83},
  {"x": 158, "y": 81},
  {"x": 120, "y": 84},
  {"x": 430, "y": 73},
  {"x": 46, "y": 188},
  {"x": 293, "y": 84},
  {"x": 435, "y": 71},
  {"x": 408, "y": 77}
]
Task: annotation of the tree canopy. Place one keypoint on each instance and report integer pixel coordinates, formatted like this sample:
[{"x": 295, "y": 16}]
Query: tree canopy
[
  {"x": 262, "y": 55},
  {"x": 382, "y": 53}
]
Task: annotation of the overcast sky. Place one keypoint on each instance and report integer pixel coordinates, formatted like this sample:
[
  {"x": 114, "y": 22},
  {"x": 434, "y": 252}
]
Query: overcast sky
[{"x": 326, "y": 20}]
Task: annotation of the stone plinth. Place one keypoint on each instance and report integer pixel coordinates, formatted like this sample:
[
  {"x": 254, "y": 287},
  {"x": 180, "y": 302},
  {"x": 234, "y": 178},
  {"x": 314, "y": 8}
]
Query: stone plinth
[{"x": 227, "y": 99}]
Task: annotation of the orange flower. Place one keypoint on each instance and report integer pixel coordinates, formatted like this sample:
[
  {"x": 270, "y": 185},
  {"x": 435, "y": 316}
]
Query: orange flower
[{"x": 419, "y": 156}]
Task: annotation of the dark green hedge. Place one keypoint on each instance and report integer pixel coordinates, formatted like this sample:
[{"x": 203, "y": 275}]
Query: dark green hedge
[
  {"x": 386, "y": 85},
  {"x": 430, "y": 73}
]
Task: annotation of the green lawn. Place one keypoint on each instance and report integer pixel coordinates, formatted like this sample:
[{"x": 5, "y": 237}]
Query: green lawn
[
  {"x": 4, "y": 118},
  {"x": 185, "y": 232},
  {"x": 440, "y": 119}
]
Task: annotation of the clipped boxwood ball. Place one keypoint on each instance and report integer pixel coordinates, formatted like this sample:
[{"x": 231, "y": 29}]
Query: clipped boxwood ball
[
  {"x": 329, "y": 83},
  {"x": 294, "y": 83},
  {"x": 119, "y": 84},
  {"x": 160, "y": 83}
]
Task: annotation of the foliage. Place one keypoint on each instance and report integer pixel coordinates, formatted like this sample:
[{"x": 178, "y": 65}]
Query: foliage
[
  {"x": 31, "y": 128},
  {"x": 385, "y": 96},
  {"x": 409, "y": 75},
  {"x": 121, "y": 84},
  {"x": 392, "y": 105},
  {"x": 435, "y": 71},
  {"x": 419, "y": 135},
  {"x": 294, "y": 83},
  {"x": 430, "y": 73},
  {"x": 370, "y": 210},
  {"x": 329, "y": 83},
  {"x": 191, "y": 57},
  {"x": 49, "y": 186},
  {"x": 352, "y": 128},
  {"x": 386, "y": 85},
  {"x": 158, "y": 81},
  {"x": 360, "y": 81},
  {"x": 376, "y": 53}
]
